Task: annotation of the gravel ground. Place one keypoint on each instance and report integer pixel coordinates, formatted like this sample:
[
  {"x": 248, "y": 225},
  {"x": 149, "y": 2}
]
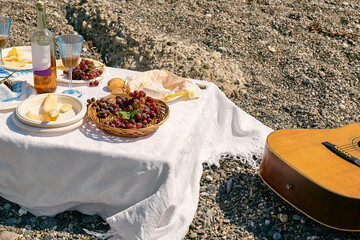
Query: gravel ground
[{"x": 290, "y": 64}]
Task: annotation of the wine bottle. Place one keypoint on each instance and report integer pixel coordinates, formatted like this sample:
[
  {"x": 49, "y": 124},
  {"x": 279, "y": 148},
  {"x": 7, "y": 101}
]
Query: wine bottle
[{"x": 43, "y": 54}]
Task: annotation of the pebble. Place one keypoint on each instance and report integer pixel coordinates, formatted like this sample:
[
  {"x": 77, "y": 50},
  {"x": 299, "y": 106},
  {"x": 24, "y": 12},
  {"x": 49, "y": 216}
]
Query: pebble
[
  {"x": 209, "y": 178},
  {"x": 49, "y": 237},
  {"x": 283, "y": 217},
  {"x": 48, "y": 223},
  {"x": 271, "y": 49},
  {"x": 6, "y": 235},
  {"x": 296, "y": 217},
  {"x": 200, "y": 231},
  {"x": 193, "y": 235},
  {"x": 277, "y": 236},
  {"x": 11, "y": 221},
  {"x": 226, "y": 221}
]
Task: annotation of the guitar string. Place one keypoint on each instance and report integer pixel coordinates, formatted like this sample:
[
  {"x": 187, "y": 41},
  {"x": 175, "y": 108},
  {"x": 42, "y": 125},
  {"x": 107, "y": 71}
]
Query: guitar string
[{"x": 348, "y": 148}]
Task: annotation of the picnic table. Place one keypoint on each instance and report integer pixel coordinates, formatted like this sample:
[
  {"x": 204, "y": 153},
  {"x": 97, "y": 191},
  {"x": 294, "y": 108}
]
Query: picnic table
[{"x": 145, "y": 187}]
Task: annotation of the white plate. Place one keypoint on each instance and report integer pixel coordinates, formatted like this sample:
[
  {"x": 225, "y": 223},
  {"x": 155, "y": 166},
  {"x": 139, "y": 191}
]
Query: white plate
[
  {"x": 61, "y": 77},
  {"x": 27, "y": 54},
  {"x": 46, "y": 130},
  {"x": 34, "y": 103},
  {"x": 8, "y": 105}
]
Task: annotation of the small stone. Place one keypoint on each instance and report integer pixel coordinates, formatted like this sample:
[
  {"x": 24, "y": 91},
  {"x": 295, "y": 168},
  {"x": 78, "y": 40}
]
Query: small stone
[
  {"x": 208, "y": 15},
  {"x": 271, "y": 49},
  {"x": 283, "y": 217},
  {"x": 277, "y": 236},
  {"x": 322, "y": 74},
  {"x": 6, "y": 235},
  {"x": 197, "y": 62},
  {"x": 11, "y": 221},
  {"x": 84, "y": 24},
  {"x": 312, "y": 238},
  {"x": 48, "y": 223},
  {"x": 296, "y": 217},
  {"x": 209, "y": 178},
  {"x": 207, "y": 65},
  {"x": 49, "y": 237},
  {"x": 222, "y": 49},
  {"x": 209, "y": 213},
  {"x": 7, "y": 206},
  {"x": 193, "y": 235},
  {"x": 226, "y": 221},
  {"x": 229, "y": 186},
  {"x": 200, "y": 231},
  {"x": 204, "y": 194},
  {"x": 211, "y": 188},
  {"x": 345, "y": 4},
  {"x": 22, "y": 211},
  {"x": 267, "y": 222}
]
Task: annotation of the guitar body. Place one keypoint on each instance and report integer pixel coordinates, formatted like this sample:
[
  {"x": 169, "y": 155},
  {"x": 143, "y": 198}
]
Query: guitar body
[{"x": 317, "y": 181}]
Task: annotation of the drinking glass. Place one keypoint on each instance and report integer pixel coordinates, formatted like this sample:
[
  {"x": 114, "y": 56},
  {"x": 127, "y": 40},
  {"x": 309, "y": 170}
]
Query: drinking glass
[
  {"x": 70, "y": 48},
  {"x": 5, "y": 23}
]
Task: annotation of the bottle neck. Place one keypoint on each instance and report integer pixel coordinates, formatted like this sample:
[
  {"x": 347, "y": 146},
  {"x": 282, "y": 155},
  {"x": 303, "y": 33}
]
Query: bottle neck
[{"x": 41, "y": 19}]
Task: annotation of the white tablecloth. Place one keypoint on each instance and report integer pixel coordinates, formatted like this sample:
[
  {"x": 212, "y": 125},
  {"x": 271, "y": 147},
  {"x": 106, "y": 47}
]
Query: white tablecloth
[{"x": 145, "y": 188}]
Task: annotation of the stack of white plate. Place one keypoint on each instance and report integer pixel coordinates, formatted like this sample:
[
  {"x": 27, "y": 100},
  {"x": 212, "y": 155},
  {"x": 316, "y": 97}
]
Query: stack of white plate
[{"x": 65, "y": 122}]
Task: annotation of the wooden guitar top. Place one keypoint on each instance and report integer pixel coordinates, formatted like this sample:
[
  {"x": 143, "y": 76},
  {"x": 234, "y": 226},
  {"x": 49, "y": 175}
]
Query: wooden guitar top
[{"x": 302, "y": 149}]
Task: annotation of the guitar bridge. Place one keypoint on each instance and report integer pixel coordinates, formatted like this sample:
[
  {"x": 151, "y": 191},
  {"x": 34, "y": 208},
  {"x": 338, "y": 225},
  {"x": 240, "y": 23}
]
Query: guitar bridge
[{"x": 341, "y": 153}]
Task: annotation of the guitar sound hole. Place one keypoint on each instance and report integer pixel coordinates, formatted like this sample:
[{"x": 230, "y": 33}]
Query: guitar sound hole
[{"x": 358, "y": 143}]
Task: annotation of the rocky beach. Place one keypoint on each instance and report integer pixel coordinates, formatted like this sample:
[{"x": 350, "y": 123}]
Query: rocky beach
[{"x": 290, "y": 64}]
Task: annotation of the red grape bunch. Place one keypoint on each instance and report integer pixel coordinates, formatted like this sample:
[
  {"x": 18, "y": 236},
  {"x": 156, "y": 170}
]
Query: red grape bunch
[
  {"x": 85, "y": 70},
  {"x": 135, "y": 111}
]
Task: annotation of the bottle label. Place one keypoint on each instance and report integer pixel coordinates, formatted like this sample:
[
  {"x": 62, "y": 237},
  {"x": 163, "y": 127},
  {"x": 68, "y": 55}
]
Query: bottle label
[{"x": 41, "y": 60}]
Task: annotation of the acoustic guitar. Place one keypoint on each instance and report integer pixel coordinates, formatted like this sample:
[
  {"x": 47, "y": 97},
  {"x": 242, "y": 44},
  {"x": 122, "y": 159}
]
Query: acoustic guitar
[{"x": 318, "y": 172}]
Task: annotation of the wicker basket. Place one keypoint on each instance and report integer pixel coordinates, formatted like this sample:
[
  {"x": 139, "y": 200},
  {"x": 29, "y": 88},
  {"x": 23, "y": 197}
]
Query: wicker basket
[{"x": 138, "y": 132}]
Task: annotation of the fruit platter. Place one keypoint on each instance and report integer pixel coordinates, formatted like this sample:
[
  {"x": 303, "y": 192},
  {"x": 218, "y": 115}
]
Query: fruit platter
[
  {"x": 88, "y": 71},
  {"x": 128, "y": 114}
]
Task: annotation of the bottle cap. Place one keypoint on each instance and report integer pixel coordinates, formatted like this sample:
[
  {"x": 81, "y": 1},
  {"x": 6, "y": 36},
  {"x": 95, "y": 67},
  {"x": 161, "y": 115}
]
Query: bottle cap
[{"x": 40, "y": 5}]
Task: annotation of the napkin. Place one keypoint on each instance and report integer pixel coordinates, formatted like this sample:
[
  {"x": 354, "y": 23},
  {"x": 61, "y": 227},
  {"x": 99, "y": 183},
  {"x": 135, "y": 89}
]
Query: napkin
[
  {"x": 17, "y": 93},
  {"x": 163, "y": 85}
]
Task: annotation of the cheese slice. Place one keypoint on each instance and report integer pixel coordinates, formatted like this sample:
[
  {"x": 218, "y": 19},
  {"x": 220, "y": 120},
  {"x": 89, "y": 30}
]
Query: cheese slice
[{"x": 15, "y": 58}]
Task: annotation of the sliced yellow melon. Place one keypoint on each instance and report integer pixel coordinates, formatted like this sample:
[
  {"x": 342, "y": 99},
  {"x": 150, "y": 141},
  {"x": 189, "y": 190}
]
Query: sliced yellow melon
[
  {"x": 36, "y": 117},
  {"x": 49, "y": 107},
  {"x": 66, "y": 107},
  {"x": 53, "y": 115},
  {"x": 50, "y": 103}
]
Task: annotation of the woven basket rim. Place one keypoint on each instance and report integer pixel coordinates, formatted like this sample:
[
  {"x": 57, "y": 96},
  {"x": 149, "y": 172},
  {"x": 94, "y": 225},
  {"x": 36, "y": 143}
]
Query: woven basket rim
[{"x": 138, "y": 132}]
